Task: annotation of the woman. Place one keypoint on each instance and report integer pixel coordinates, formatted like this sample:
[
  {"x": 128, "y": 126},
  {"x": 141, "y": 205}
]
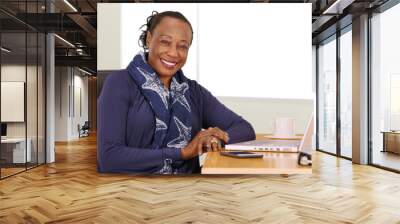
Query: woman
[{"x": 151, "y": 116}]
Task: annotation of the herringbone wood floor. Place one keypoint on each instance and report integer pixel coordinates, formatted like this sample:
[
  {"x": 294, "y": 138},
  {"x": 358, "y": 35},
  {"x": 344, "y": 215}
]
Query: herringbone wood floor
[{"x": 71, "y": 191}]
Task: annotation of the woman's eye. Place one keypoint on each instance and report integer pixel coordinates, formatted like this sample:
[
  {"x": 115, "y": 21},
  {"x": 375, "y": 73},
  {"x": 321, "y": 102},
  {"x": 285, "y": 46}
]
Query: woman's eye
[
  {"x": 183, "y": 47},
  {"x": 165, "y": 42}
]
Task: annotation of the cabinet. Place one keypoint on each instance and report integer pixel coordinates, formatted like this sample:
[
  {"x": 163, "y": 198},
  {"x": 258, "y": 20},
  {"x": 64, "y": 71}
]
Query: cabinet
[{"x": 391, "y": 141}]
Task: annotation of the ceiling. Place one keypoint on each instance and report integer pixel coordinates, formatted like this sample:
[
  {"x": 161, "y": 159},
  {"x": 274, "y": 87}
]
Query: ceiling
[{"x": 76, "y": 22}]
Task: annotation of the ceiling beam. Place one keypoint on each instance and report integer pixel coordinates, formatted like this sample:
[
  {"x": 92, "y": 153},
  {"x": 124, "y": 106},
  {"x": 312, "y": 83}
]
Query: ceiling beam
[
  {"x": 82, "y": 61},
  {"x": 319, "y": 23},
  {"x": 337, "y": 6},
  {"x": 84, "y": 24}
]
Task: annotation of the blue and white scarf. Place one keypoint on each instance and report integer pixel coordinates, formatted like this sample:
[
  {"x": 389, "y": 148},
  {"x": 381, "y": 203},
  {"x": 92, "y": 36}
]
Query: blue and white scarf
[{"x": 171, "y": 107}]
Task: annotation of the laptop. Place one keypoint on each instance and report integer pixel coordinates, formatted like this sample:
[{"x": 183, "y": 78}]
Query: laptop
[{"x": 275, "y": 145}]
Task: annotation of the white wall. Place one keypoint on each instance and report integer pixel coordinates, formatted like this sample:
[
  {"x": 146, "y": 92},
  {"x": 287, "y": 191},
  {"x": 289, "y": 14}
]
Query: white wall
[
  {"x": 68, "y": 83},
  {"x": 81, "y": 84},
  {"x": 12, "y": 73},
  {"x": 33, "y": 126},
  {"x": 261, "y": 112},
  {"x": 61, "y": 103},
  {"x": 12, "y": 100},
  {"x": 109, "y": 34}
]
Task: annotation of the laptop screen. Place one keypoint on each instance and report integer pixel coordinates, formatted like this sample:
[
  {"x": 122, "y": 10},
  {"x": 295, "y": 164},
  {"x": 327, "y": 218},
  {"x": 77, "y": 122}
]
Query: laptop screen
[
  {"x": 3, "y": 129},
  {"x": 306, "y": 143}
]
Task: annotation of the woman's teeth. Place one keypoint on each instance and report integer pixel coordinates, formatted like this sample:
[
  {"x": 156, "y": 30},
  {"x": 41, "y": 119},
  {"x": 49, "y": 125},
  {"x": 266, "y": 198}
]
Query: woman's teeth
[{"x": 167, "y": 63}]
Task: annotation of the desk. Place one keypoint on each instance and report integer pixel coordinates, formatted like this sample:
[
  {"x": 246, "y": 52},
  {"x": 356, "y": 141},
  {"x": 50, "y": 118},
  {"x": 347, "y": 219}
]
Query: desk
[
  {"x": 271, "y": 163},
  {"x": 13, "y": 150}
]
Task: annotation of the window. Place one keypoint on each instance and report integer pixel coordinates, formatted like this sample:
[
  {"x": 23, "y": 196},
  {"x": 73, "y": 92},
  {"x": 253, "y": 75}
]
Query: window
[
  {"x": 327, "y": 95},
  {"x": 346, "y": 93},
  {"x": 395, "y": 102},
  {"x": 385, "y": 86}
]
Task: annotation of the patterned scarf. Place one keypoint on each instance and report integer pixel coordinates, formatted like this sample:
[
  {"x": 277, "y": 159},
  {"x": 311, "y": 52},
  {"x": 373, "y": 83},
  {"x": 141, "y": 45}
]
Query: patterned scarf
[{"x": 171, "y": 108}]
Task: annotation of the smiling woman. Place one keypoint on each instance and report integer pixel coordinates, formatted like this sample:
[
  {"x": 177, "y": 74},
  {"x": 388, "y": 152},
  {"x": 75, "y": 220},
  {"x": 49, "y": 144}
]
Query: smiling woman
[
  {"x": 152, "y": 118},
  {"x": 168, "y": 44}
]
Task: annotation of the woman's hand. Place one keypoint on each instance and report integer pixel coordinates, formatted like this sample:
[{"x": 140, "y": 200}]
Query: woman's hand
[
  {"x": 213, "y": 141},
  {"x": 222, "y": 135},
  {"x": 204, "y": 140}
]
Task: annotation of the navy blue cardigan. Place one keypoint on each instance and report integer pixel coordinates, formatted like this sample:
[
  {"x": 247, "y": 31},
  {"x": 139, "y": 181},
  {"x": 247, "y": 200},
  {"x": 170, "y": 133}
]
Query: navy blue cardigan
[{"x": 126, "y": 126}]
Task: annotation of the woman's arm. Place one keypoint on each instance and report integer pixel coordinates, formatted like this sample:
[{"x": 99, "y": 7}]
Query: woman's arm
[
  {"x": 218, "y": 115},
  {"x": 112, "y": 151}
]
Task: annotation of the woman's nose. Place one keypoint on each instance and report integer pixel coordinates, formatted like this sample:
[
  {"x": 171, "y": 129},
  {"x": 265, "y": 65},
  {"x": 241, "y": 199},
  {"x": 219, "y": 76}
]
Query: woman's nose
[{"x": 173, "y": 52}]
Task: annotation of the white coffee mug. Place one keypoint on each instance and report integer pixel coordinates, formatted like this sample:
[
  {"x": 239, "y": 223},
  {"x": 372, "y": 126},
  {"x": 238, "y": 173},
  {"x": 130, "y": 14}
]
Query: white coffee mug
[{"x": 284, "y": 127}]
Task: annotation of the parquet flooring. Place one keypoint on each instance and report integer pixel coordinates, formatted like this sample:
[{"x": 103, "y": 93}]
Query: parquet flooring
[
  {"x": 71, "y": 191},
  {"x": 10, "y": 171}
]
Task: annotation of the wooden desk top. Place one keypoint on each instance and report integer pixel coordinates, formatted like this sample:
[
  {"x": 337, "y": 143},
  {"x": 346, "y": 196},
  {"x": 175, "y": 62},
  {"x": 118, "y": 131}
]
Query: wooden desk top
[{"x": 271, "y": 163}]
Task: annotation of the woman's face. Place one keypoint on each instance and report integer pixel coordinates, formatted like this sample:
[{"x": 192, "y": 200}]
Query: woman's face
[{"x": 168, "y": 46}]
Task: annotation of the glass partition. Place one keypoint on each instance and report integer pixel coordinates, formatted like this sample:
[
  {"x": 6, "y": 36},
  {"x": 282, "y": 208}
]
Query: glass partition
[
  {"x": 13, "y": 109},
  {"x": 22, "y": 77}
]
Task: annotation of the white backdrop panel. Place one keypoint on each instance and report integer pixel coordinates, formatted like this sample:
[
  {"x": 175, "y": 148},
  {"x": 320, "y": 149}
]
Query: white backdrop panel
[
  {"x": 256, "y": 50},
  {"x": 246, "y": 50}
]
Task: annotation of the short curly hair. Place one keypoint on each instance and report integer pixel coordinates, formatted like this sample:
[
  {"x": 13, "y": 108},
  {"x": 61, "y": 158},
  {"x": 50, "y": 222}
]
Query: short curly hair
[{"x": 154, "y": 19}]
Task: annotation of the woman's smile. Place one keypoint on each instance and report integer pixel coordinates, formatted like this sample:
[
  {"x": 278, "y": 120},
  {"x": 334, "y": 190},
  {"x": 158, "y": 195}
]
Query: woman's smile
[{"x": 168, "y": 64}]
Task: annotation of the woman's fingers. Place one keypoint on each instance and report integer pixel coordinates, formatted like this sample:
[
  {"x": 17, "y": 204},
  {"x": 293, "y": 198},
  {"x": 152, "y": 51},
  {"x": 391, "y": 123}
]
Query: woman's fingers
[
  {"x": 219, "y": 133},
  {"x": 209, "y": 143},
  {"x": 205, "y": 142},
  {"x": 214, "y": 131},
  {"x": 209, "y": 140},
  {"x": 201, "y": 148},
  {"x": 215, "y": 144},
  {"x": 223, "y": 133},
  {"x": 200, "y": 143}
]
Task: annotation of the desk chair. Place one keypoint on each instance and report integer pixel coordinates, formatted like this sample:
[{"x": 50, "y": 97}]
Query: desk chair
[{"x": 84, "y": 130}]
